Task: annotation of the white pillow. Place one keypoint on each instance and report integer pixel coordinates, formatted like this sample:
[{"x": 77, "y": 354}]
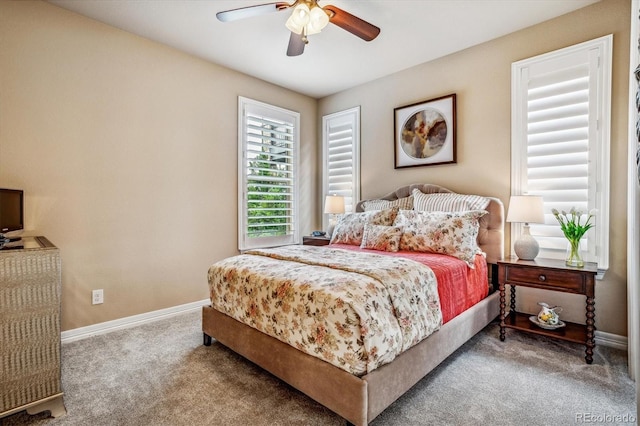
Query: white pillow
[
  {"x": 405, "y": 203},
  {"x": 447, "y": 202}
]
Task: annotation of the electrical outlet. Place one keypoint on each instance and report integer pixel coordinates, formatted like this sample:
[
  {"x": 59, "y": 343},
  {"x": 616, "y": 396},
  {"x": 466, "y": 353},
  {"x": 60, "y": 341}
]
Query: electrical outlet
[{"x": 97, "y": 297}]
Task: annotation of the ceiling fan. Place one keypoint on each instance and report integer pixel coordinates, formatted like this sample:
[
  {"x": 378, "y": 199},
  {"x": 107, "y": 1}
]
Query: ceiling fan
[{"x": 307, "y": 18}]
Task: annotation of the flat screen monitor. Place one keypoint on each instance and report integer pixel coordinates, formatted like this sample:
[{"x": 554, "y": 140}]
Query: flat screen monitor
[{"x": 11, "y": 210}]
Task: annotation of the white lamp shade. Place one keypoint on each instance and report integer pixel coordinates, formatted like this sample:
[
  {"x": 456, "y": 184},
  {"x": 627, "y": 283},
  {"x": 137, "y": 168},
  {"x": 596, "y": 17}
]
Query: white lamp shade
[
  {"x": 525, "y": 209},
  {"x": 334, "y": 204}
]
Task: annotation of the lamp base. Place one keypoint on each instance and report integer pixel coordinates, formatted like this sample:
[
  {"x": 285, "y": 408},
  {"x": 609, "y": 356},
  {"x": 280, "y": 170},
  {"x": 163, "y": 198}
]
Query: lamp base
[
  {"x": 330, "y": 229},
  {"x": 526, "y": 247}
]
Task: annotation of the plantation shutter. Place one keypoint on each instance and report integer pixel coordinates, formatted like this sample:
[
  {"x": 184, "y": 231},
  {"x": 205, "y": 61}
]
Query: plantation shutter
[
  {"x": 268, "y": 175},
  {"x": 341, "y": 141},
  {"x": 560, "y": 146}
]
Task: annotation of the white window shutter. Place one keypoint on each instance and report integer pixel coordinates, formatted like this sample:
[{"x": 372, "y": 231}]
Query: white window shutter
[
  {"x": 267, "y": 181},
  {"x": 560, "y": 141},
  {"x": 341, "y": 148}
]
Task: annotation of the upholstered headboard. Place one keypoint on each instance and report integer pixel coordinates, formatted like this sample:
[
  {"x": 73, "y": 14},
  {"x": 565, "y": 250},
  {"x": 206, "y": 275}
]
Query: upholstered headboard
[{"x": 491, "y": 233}]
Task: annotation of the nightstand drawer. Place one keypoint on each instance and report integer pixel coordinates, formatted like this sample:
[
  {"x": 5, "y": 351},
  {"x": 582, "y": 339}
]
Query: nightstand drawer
[
  {"x": 546, "y": 278},
  {"x": 315, "y": 241}
]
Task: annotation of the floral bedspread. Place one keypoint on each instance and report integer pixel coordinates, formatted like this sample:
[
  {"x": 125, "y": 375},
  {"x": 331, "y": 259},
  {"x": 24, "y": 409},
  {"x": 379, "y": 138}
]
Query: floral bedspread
[{"x": 354, "y": 310}]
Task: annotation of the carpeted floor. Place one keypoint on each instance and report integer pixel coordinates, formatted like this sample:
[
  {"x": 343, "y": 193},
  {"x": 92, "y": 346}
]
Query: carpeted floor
[{"x": 161, "y": 374}]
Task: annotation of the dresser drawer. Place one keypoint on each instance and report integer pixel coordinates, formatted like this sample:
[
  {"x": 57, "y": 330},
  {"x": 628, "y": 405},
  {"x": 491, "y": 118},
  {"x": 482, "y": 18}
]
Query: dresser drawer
[{"x": 546, "y": 278}]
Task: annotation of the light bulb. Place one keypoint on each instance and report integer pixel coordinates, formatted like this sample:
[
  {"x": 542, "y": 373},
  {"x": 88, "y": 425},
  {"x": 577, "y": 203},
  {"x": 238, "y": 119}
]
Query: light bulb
[
  {"x": 298, "y": 19},
  {"x": 318, "y": 19}
]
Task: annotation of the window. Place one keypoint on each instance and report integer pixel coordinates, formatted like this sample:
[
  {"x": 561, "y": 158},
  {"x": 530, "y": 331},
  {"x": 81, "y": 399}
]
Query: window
[
  {"x": 560, "y": 141},
  {"x": 267, "y": 175},
  {"x": 341, "y": 148}
]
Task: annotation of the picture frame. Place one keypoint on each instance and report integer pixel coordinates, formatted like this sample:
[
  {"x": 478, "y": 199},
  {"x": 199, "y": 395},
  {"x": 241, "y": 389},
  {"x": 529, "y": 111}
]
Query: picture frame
[{"x": 425, "y": 133}]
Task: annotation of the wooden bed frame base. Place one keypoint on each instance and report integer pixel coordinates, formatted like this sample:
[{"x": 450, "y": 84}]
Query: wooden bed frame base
[{"x": 357, "y": 399}]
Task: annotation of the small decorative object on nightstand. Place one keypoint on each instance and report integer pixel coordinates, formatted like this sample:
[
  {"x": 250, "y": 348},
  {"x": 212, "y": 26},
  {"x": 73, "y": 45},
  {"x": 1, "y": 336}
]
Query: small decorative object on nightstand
[
  {"x": 549, "y": 274},
  {"x": 526, "y": 209},
  {"x": 548, "y": 317},
  {"x": 315, "y": 241}
]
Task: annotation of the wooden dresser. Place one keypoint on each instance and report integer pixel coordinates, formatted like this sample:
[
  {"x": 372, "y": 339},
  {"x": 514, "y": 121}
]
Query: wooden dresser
[{"x": 30, "y": 288}]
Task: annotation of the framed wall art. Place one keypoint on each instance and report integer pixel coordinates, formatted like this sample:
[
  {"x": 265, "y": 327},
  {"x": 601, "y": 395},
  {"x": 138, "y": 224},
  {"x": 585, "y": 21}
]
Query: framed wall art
[{"x": 425, "y": 133}]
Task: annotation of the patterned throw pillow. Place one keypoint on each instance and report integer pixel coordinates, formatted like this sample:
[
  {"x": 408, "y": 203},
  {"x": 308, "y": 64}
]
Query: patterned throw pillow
[
  {"x": 448, "y": 202},
  {"x": 451, "y": 233},
  {"x": 405, "y": 203},
  {"x": 350, "y": 228},
  {"x": 381, "y": 237}
]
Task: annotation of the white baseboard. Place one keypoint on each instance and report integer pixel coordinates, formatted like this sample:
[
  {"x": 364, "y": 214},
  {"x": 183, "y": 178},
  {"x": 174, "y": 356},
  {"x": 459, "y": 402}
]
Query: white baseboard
[
  {"x": 611, "y": 340},
  {"x": 127, "y": 322},
  {"x": 602, "y": 338}
]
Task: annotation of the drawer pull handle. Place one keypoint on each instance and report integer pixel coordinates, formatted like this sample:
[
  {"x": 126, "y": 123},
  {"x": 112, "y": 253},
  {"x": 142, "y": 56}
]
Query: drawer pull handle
[{"x": 542, "y": 278}]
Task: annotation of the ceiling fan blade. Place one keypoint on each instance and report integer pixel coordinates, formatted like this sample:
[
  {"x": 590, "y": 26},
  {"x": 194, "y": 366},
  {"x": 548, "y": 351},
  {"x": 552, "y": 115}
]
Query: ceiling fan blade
[
  {"x": 351, "y": 23},
  {"x": 296, "y": 44},
  {"x": 249, "y": 11}
]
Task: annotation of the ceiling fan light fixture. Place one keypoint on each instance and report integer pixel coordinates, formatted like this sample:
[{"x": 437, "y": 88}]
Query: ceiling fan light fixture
[
  {"x": 307, "y": 17},
  {"x": 299, "y": 18}
]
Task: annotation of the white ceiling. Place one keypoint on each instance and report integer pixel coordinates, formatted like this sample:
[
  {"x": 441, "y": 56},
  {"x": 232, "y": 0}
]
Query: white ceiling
[{"x": 412, "y": 32}]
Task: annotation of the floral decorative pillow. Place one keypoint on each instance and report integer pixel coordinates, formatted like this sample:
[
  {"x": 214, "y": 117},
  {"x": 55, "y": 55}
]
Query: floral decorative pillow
[
  {"x": 350, "y": 228},
  {"x": 405, "y": 203},
  {"x": 381, "y": 237},
  {"x": 451, "y": 233},
  {"x": 448, "y": 202}
]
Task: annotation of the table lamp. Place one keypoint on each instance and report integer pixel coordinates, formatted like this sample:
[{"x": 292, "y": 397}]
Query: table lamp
[
  {"x": 333, "y": 206},
  {"x": 526, "y": 209}
]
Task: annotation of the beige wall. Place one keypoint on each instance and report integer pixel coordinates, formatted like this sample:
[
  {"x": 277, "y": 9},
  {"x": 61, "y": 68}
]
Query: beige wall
[
  {"x": 127, "y": 152},
  {"x": 480, "y": 77}
]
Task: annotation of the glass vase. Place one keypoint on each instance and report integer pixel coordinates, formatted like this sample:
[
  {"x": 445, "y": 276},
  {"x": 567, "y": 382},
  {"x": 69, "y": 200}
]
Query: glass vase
[{"x": 574, "y": 256}]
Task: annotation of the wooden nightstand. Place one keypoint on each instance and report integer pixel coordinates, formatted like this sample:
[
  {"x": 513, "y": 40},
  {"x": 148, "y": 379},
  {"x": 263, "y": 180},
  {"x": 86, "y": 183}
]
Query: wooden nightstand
[
  {"x": 549, "y": 274},
  {"x": 315, "y": 241}
]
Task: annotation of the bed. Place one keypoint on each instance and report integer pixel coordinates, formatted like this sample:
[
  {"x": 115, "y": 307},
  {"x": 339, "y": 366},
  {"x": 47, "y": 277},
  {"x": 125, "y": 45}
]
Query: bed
[{"x": 369, "y": 386}]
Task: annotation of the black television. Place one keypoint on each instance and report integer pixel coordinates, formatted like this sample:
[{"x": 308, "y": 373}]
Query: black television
[{"x": 11, "y": 212}]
